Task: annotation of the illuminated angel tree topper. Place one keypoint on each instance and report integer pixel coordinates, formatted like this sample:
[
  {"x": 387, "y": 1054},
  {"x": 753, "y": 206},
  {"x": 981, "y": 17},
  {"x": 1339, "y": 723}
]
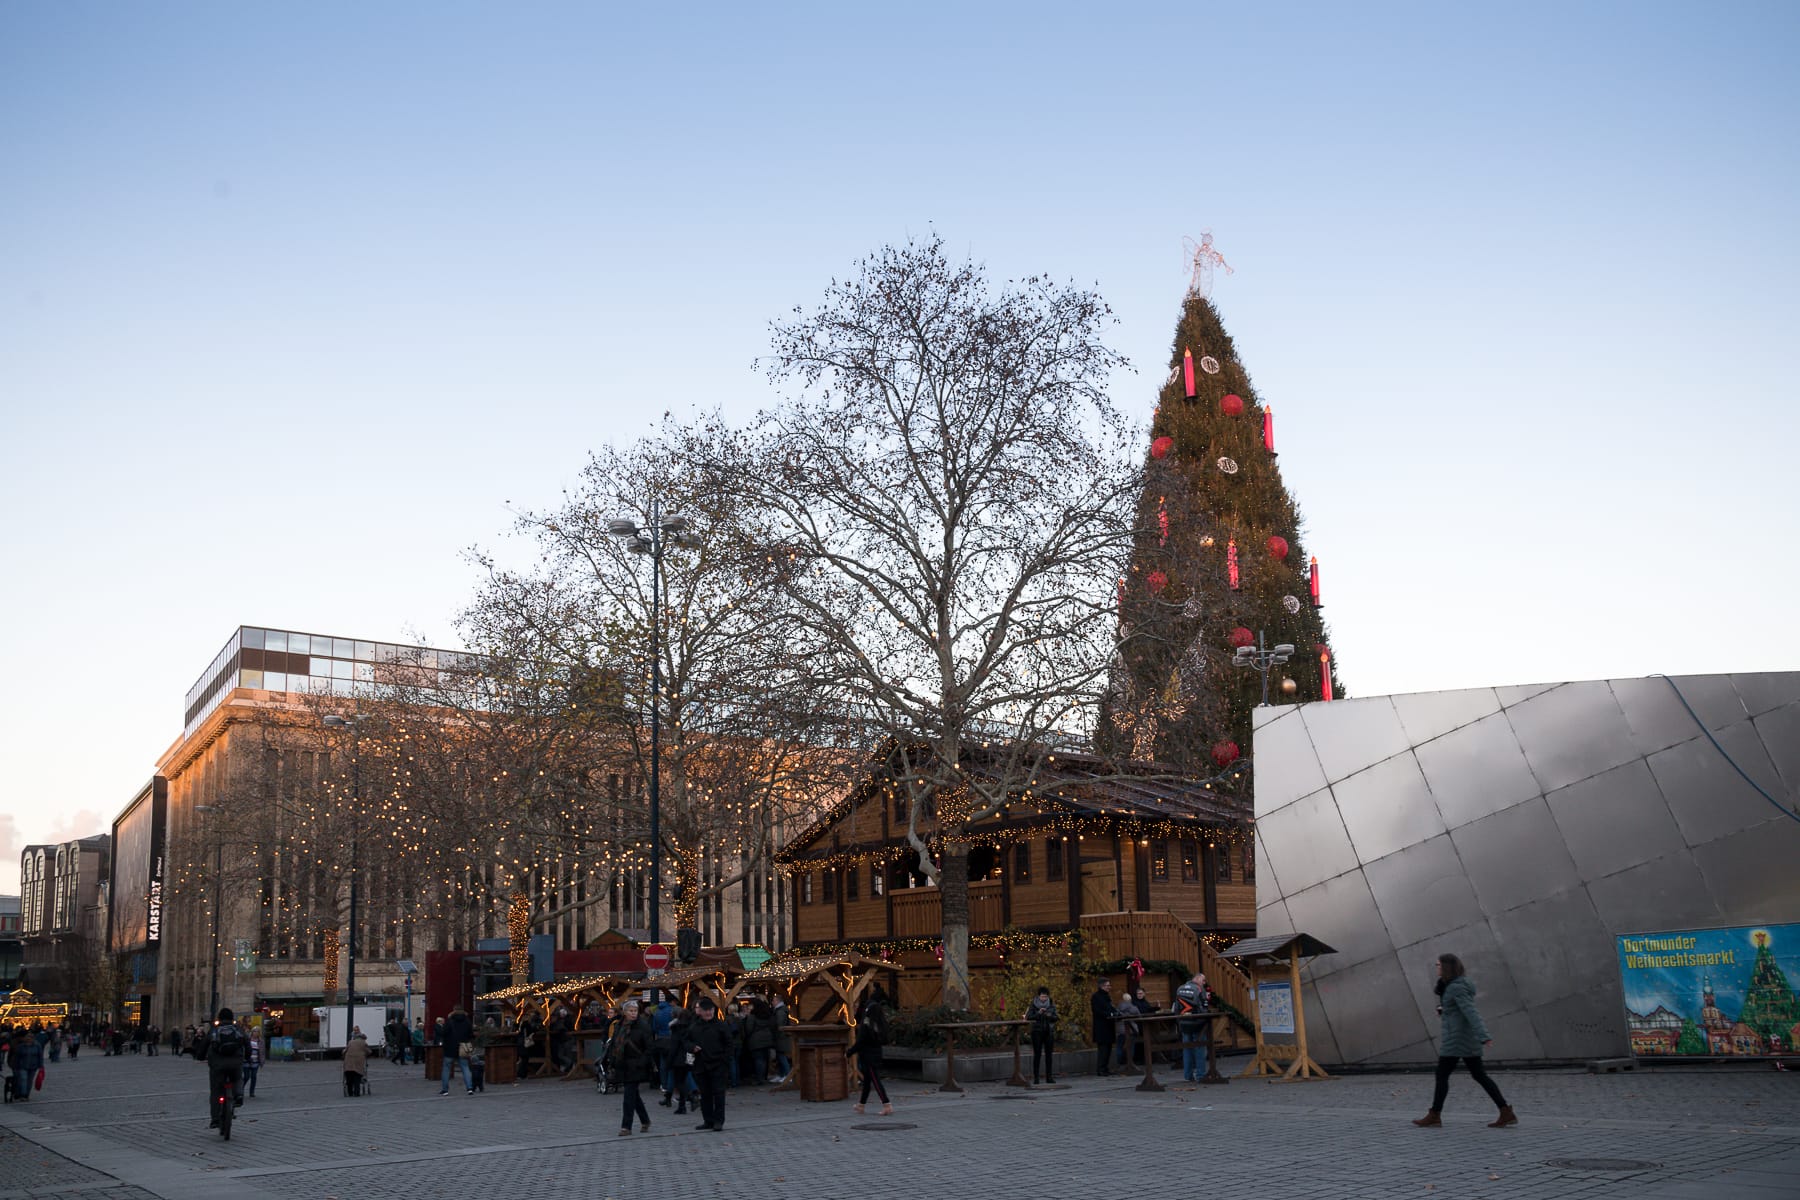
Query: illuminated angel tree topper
[{"x": 1218, "y": 561}]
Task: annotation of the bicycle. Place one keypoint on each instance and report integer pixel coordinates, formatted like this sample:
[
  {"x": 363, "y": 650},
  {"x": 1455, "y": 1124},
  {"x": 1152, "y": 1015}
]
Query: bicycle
[{"x": 223, "y": 1107}]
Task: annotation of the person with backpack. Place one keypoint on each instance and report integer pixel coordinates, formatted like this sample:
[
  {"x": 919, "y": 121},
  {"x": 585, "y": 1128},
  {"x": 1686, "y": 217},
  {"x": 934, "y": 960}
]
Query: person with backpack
[
  {"x": 632, "y": 1059},
  {"x": 1191, "y": 999},
  {"x": 223, "y": 1051},
  {"x": 871, "y": 1035},
  {"x": 1041, "y": 1012}
]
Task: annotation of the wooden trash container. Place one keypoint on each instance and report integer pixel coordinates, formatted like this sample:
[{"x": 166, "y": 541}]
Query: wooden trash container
[
  {"x": 823, "y": 1073},
  {"x": 434, "y": 1063},
  {"x": 502, "y": 1063}
]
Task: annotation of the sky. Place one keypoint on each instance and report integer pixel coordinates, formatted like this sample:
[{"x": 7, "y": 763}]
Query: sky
[{"x": 299, "y": 304}]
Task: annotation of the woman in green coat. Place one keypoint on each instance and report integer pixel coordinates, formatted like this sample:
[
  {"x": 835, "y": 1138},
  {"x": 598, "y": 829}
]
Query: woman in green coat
[{"x": 1464, "y": 1037}]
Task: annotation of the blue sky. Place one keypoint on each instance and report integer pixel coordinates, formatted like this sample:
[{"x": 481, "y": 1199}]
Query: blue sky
[{"x": 296, "y": 302}]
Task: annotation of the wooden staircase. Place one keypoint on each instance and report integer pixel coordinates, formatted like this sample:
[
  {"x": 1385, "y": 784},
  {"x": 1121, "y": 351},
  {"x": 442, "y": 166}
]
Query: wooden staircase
[{"x": 1165, "y": 936}]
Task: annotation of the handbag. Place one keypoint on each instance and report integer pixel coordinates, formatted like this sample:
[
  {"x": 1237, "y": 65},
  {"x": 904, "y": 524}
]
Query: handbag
[
  {"x": 39, "y": 1082},
  {"x": 465, "y": 1050}
]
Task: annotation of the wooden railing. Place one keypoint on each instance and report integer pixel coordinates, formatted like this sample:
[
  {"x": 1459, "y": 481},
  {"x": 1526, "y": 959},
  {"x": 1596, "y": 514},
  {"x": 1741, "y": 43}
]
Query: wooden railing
[
  {"x": 1162, "y": 935},
  {"x": 917, "y": 910}
]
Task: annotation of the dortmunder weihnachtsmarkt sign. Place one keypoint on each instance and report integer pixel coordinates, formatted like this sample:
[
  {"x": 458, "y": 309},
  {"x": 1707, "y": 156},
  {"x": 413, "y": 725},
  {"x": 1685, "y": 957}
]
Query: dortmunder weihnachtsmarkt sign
[{"x": 1712, "y": 992}]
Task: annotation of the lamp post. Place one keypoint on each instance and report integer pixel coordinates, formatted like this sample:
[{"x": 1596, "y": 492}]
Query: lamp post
[
  {"x": 218, "y": 899},
  {"x": 653, "y": 539},
  {"x": 1261, "y": 658},
  {"x": 354, "y": 725}
]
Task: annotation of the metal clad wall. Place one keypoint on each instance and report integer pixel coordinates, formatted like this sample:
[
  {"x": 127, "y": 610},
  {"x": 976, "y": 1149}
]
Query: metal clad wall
[{"x": 1520, "y": 828}]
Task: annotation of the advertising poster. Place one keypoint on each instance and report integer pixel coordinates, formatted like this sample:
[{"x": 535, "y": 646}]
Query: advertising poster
[{"x": 1712, "y": 992}]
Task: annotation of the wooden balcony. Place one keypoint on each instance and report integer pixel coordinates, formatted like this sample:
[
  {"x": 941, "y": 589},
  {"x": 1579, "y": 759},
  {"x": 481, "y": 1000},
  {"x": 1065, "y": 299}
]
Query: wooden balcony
[{"x": 916, "y": 910}]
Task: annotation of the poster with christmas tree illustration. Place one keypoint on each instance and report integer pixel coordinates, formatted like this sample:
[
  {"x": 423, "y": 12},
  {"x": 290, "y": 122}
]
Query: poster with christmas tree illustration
[{"x": 1712, "y": 992}]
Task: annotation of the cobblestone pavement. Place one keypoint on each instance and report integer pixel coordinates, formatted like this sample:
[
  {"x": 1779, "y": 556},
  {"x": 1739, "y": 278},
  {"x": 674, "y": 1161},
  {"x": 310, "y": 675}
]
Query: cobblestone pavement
[{"x": 134, "y": 1128}]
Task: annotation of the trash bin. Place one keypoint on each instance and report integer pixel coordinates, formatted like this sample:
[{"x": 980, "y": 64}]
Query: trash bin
[{"x": 822, "y": 1073}]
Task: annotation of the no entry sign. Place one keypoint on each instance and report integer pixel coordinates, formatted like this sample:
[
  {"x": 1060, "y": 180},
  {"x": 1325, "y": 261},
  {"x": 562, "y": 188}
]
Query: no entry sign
[{"x": 656, "y": 958}]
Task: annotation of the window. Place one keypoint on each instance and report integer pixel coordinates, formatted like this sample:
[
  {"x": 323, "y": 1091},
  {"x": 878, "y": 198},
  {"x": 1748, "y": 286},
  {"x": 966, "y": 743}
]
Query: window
[
  {"x": 852, "y": 883},
  {"x": 877, "y": 880},
  {"x": 829, "y": 893},
  {"x": 806, "y": 886},
  {"x": 1223, "y": 856},
  {"x": 1190, "y": 862},
  {"x": 1022, "y": 862},
  {"x": 1053, "y": 859},
  {"x": 1159, "y": 861}
]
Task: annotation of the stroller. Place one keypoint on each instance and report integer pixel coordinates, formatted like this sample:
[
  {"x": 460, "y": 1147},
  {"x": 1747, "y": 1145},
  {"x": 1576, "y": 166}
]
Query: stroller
[{"x": 605, "y": 1074}]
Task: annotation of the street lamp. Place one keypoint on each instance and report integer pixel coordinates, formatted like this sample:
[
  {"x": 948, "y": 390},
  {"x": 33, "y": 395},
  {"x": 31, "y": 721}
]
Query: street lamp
[
  {"x": 653, "y": 539},
  {"x": 354, "y": 725},
  {"x": 1260, "y": 658},
  {"x": 218, "y": 899}
]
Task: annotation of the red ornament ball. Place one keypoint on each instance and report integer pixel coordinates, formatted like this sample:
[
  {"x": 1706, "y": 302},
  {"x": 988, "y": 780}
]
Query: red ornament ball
[
  {"x": 1157, "y": 581},
  {"x": 1242, "y": 637},
  {"x": 1161, "y": 446},
  {"x": 1224, "y": 753},
  {"x": 1278, "y": 546},
  {"x": 1232, "y": 405}
]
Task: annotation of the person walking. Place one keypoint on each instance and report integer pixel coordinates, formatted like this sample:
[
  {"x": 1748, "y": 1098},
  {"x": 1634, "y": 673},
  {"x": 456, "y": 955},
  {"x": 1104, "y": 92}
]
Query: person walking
[
  {"x": 1464, "y": 1037},
  {"x": 25, "y": 1060},
  {"x": 253, "y": 1056},
  {"x": 709, "y": 1048},
  {"x": 453, "y": 1040},
  {"x": 1041, "y": 1012},
  {"x": 633, "y": 1054},
  {"x": 662, "y": 1024},
  {"x": 175, "y": 1040},
  {"x": 871, "y": 1033},
  {"x": 1106, "y": 1019},
  {"x": 356, "y": 1063}
]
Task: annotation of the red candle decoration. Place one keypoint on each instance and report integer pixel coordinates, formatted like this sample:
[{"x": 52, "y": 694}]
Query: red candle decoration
[
  {"x": 1161, "y": 446},
  {"x": 1313, "y": 582},
  {"x": 1241, "y": 637},
  {"x": 1162, "y": 525},
  {"x": 1232, "y": 405},
  {"x": 1278, "y": 546},
  {"x": 1157, "y": 581},
  {"x": 1224, "y": 753},
  {"x": 1231, "y": 564},
  {"x": 1269, "y": 430},
  {"x": 1324, "y": 672},
  {"x": 1187, "y": 371}
]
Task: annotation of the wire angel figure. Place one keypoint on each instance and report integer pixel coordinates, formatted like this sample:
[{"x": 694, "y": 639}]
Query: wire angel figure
[{"x": 1201, "y": 258}]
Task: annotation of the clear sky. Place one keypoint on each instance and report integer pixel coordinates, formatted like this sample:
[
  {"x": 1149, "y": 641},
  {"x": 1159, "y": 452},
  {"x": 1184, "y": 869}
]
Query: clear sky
[{"x": 297, "y": 302}]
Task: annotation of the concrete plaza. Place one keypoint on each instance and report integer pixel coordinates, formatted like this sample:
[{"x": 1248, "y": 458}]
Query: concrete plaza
[{"x": 133, "y": 1128}]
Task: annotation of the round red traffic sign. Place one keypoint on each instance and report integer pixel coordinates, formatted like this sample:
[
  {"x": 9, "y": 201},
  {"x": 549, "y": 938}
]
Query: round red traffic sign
[{"x": 656, "y": 958}]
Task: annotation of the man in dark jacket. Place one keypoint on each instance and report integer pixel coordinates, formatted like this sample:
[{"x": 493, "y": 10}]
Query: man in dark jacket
[
  {"x": 1105, "y": 1026},
  {"x": 223, "y": 1049},
  {"x": 633, "y": 1052},
  {"x": 456, "y": 1032},
  {"x": 709, "y": 1042}
]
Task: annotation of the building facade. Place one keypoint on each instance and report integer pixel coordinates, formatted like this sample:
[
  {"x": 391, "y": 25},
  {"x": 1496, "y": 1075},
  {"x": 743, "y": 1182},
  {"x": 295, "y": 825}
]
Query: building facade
[
  {"x": 63, "y": 914},
  {"x": 1523, "y": 829}
]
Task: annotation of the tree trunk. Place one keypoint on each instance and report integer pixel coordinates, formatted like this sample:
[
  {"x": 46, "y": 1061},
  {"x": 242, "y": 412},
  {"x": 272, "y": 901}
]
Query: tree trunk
[
  {"x": 953, "y": 883},
  {"x": 687, "y": 908}
]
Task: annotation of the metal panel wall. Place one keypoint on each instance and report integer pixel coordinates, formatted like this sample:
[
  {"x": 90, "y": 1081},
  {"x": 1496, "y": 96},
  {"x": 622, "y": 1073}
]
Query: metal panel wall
[{"x": 1521, "y": 828}]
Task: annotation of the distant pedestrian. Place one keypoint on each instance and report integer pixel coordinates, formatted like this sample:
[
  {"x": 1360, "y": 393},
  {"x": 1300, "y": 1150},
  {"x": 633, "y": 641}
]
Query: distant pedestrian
[
  {"x": 871, "y": 1035},
  {"x": 26, "y": 1061},
  {"x": 484, "y": 1037},
  {"x": 633, "y": 1062},
  {"x": 453, "y": 1039},
  {"x": 153, "y": 1040},
  {"x": 1041, "y": 1012},
  {"x": 709, "y": 1047},
  {"x": 1190, "y": 1003},
  {"x": 1106, "y": 1019},
  {"x": 1464, "y": 1037},
  {"x": 175, "y": 1040},
  {"x": 356, "y": 1063},
  {"x": 253, "y": 1056}
]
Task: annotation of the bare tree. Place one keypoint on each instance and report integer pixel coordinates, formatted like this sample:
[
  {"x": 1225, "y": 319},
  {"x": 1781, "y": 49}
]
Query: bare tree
[{"x": 958, "y": 493}]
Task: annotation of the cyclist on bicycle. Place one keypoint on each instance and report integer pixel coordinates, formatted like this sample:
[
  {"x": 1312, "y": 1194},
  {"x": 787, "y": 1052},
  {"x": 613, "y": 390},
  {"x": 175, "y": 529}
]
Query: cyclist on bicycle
[{"x": 224, "y": 1050}]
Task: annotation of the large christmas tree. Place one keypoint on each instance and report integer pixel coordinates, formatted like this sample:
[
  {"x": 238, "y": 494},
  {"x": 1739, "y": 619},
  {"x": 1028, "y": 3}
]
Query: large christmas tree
[
  {"x": 1770, "y": 1006},
  {"x": 1219, "y": 562}
]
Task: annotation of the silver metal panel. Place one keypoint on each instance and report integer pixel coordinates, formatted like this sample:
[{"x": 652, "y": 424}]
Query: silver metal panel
[
  {"x": 1476, "y": 771},
  {"x": 1615, "y": 820},
  {"x": 1556, "y": 946},
  {"x": 1780, "y": 733},
  {"x": 1515, "y": 857},
  {"x": 1273, "y": 920},
  {"x": 1515, "y": 1039},
  {"x": 1422, "y": 890},
  {"x": 1767, "y": 689},
  {"x": 1321, "y": 1038},
  {"x": 1753, "y": 875},
  {"x": 1361, "y": 1002},
  {"x": 1571, "y": 733},
  {"x": 1306, "y": 843},
  {"x": 1668, "y": 893},
  {"x": 1387, "y": 807},
  {"x": 1286, "y": 766},
  {"x": 1586, "y": 1024},
  {"x": 1474, "y": 943},
  {"x": 1417, "y": 1054},
  {"x": 1268, "y": 883},
  {"x": 1654, "y": 714},
  {"x": 1710, "y": 800},
  {"x": 1519, "y": 692},
  {"x": 1352, "y": 734},
  {"x": 1426, "y": 715},
  {"x": 1341, "y": 913}
]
